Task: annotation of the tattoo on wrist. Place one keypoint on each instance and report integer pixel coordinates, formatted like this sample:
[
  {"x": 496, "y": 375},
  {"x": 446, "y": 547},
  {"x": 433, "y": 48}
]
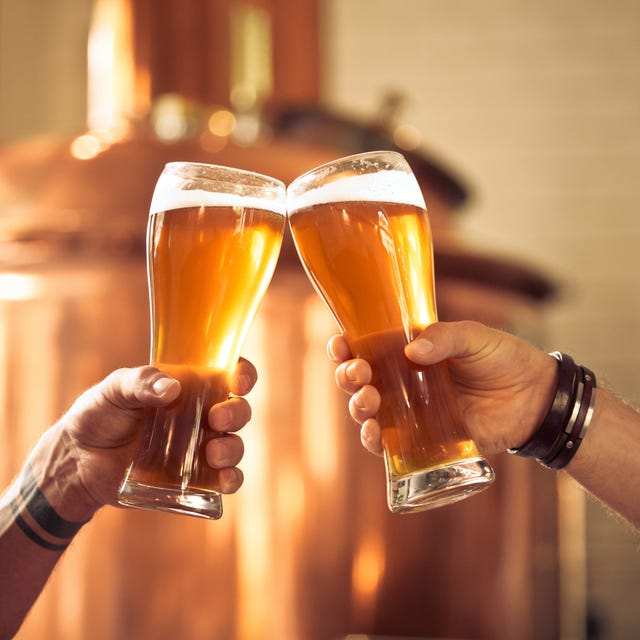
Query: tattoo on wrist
[
  {"x": 31, "y": 533},
  {"x": 37, "y": 518}
]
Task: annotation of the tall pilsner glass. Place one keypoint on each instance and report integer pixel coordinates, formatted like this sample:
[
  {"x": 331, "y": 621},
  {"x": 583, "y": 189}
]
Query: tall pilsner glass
[
  {"x": 213, "y": 240},
  {"x": 361, "y": 229}
]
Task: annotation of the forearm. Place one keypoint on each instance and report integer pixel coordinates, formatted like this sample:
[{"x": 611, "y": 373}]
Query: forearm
[
  {"x": 24, "y": 569},
  {"x": 607, "y": 463},
  {"x": 39, "y": 516}
]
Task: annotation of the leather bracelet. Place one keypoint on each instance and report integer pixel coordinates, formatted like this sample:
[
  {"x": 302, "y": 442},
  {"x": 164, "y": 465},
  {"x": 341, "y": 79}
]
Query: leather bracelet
[
  {"x": 557, "y": 439},
  {"x": 580, "y": 426},
  {"x": 545, "y": 439}
]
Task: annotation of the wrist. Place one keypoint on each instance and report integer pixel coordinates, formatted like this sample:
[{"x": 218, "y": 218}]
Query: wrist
[
  {"x": 56, "y": 470},
  {"x": 539, "y": 392},
  {"x": 560, "y": 434}
]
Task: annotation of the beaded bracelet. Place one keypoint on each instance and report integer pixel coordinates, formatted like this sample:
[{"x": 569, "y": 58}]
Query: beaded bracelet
[{"x": 558, "y": 437}]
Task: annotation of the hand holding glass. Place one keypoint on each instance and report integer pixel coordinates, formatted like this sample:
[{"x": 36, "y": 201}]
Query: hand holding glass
[
  {"x": 213, "y": 240},
  {"x": 361, "y": 229}
]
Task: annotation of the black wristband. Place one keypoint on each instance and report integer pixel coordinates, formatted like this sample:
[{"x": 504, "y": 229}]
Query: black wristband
[
  {"x": 575, "y": 432},
  {"x": 558, "y": 437},
  {"x": 545, "y": 439}
]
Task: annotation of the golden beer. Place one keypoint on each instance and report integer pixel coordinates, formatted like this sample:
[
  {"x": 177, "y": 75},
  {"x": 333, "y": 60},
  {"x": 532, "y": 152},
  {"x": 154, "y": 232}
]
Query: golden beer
[
  {"x": 208, "y": 270},
  {"x": 209, "y": 266},
  {"x": 372, "y": 262}
]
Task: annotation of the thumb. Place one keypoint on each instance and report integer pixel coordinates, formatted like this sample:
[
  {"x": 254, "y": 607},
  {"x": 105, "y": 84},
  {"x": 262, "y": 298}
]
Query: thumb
[
  {"x": 421, "y": 350},
  {"x": 443, "y": 340},
  {"x": 139, "y": 387}
]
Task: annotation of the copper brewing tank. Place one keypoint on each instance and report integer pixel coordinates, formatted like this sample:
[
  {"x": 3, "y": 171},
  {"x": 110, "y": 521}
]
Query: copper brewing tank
[{"x": 306, "y": 550}]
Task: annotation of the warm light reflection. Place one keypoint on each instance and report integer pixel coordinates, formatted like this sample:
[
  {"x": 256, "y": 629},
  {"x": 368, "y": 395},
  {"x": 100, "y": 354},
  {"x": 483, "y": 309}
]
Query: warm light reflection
[
  {"x": 120, "y": 129},
  {"x": 111, "y": 80},
  {"x": 248, "y": 129},
  {"x": 367, "y": 570},
  {"x": 320, "y": 439},
  {"x": 86, "y": 146},
  {"x": 222, "y": 122},
  {"x": 18, "y": 286},
  {"x": 254, "y": 519},
  {"x": 169, "y": 118},
  {"x": 251, "y": 56},
  {"x": 290, "y": 496}
]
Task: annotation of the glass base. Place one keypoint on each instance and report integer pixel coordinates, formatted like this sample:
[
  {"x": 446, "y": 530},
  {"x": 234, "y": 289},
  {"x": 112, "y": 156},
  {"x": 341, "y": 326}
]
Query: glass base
[
  {"x": 201, "y": 504},
  {"x": 437, "y": 487}
]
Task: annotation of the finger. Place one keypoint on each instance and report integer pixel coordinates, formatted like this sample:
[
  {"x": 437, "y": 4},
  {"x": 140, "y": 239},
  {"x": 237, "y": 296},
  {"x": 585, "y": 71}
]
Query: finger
[
  {"x": 230, "y": 479},
  {"x": 370, "y": 436},
  {"x": 138, "y": 387},
  {"x": 224, "y": 451},
  {"x": 364, "y": 404},
  {"x": 338, "y": 349},
  {"x": 352, "y": 375},
  {"x": 243, "y": 378},
  {"x": 229, "y": 415}
]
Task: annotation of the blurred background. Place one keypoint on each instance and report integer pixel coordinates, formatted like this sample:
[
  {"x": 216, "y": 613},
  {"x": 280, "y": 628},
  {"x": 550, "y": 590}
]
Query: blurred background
[{"x": 522, "y": 123}]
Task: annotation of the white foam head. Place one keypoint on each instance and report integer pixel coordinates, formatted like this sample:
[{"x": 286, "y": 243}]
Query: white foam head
[
  {"x": 383, "y": 186},
  {"x": 167, "y": 196}
]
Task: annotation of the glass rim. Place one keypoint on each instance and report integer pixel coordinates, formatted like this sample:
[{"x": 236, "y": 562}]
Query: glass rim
[
  {"x": 226, "y": 170},
  {"x": 350, "y": 158},
  {"x": 184, "y": 184}
]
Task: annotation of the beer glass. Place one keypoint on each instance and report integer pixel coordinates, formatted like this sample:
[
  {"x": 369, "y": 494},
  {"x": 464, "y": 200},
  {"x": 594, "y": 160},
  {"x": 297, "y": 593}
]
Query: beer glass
[
  {"x": 213, "y": 240},
  {"x": 361, "y": 229}
]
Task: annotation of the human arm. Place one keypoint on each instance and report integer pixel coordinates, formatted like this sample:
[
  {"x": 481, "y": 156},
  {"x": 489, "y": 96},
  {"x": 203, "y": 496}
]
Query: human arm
[
  {"x": 77, "y": 466},
  {"x": 607, "y": 464},
  {"x": 504, "y": 387}
]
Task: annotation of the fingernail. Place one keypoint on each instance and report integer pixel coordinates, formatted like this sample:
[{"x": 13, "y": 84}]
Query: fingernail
[
  {"x": 350, "y": 372},
  {"x": 420, "y": 348},
  {"x": 162, "y": 385}
]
